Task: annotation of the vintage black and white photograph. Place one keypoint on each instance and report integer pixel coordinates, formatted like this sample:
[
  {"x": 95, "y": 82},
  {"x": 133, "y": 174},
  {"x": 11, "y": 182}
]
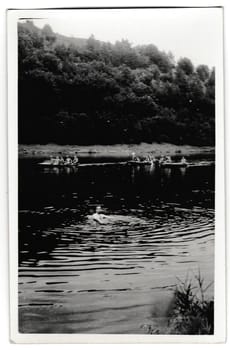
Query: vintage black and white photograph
[{"x": 116, "y": 170}]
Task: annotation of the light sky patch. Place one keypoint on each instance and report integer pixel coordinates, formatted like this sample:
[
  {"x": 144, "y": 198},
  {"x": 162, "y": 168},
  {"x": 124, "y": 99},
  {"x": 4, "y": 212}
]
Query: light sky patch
[{"x": 186, "y": 32}]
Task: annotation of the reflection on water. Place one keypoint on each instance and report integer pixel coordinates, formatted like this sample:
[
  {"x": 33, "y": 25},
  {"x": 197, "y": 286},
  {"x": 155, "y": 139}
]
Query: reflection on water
[{"x": 76, "y": 276}]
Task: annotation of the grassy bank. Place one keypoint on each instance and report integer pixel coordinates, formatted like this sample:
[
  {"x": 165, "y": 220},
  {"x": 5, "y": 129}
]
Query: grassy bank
[
  {"x": 190, "y": 311},
  {"x": 110, "y": 150}
]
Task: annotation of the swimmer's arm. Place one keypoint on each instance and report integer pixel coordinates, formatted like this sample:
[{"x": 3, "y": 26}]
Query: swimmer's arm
[
  {"x": 103, "y": 216},
  {"x": 97, "y": 219}
]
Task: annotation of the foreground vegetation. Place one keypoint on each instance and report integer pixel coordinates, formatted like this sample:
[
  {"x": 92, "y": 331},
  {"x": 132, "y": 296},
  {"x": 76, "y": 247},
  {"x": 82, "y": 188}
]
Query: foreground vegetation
[
  {"x": 190, "y": 311},
  {"x": 84, "y": 91}
]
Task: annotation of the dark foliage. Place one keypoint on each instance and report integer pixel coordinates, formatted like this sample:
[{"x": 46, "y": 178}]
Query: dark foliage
[
  {"x": 190, "y": 311},
  {"x": 84, "y": 91}
]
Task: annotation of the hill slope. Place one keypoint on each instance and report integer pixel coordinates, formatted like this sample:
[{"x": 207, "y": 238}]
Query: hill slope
[{"x": 84, "y": 91}]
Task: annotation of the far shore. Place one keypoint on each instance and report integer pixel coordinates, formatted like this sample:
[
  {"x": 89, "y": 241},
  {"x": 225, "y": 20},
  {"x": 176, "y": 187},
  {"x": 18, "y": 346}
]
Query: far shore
[{"x": 125, "y": 150}]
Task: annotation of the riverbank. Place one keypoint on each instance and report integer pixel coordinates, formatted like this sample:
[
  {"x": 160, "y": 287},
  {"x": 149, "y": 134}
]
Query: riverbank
[{"x": 156, "y": 149}]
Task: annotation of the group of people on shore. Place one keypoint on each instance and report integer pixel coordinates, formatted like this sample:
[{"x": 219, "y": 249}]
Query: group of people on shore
[
  {"x": 60, "y": 160},
  {"x": 153, "y": 159}
]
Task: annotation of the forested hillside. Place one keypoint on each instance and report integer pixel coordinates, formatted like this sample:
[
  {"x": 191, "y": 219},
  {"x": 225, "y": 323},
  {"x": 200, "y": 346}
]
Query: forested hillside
[{"x": 84, "y": 91}]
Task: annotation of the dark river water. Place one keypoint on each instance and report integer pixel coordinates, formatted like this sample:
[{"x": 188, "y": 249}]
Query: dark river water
[{"x": 76, "y": 276}]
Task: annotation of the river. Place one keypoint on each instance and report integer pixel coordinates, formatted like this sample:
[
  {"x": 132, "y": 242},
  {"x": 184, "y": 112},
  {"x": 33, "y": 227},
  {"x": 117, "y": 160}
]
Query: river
[{"x": 76, "y": 276}]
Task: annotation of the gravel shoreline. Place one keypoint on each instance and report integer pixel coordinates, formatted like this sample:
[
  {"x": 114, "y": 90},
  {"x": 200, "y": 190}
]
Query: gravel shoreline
[{"x": 43, "y": 151}]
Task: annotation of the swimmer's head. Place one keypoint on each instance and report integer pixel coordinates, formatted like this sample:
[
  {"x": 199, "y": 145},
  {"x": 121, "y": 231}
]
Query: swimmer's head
[{"x": 98, "y": 209}]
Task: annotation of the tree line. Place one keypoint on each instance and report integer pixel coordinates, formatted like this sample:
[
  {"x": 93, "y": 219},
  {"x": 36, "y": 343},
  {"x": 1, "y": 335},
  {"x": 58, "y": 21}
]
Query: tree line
[{"x": 85, "y": 91}]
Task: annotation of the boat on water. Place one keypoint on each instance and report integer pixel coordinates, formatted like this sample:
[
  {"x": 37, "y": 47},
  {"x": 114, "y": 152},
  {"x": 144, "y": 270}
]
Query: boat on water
[
  {"x": 201, "y": 164},
  {"x": 173, "y": 165},
  {"x": 156, "y": 163},
  {"x": 140, "y": 162},
  {"x": 186, "y": 165},
  {"x": 52, "y": 165}
]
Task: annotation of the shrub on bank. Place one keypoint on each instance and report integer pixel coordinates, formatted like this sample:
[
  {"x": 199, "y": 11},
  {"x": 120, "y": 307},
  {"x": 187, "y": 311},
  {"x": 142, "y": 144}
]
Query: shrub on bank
[{"x": 190, "y": 311}]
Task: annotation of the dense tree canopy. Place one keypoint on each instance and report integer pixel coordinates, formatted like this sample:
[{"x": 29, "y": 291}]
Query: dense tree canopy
[{"x": 84, "y": 91}]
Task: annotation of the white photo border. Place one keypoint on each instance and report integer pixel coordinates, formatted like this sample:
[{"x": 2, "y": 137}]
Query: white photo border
[{"x": 220, "y": 273}]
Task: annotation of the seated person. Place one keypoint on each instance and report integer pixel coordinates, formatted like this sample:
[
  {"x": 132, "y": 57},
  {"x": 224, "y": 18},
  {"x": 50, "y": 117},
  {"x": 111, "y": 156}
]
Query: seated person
[
  {"x": 168, "y": 159},
  {"x": 68, "y": 161},
  {"x": 61, "y": 160},
  {"x": 56, "y": 161},
  {"x": 147, "y": 159},
  {"x": 75, "y": 160},
  {"x": 183, "y": 160},
  {"x": 135, "y": 158},
  {"x": 52, "y": 160}
]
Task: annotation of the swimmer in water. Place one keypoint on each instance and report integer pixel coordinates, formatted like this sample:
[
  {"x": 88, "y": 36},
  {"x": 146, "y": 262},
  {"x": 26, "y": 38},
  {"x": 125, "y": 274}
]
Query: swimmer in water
[{"x": 99, "y": 217}]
